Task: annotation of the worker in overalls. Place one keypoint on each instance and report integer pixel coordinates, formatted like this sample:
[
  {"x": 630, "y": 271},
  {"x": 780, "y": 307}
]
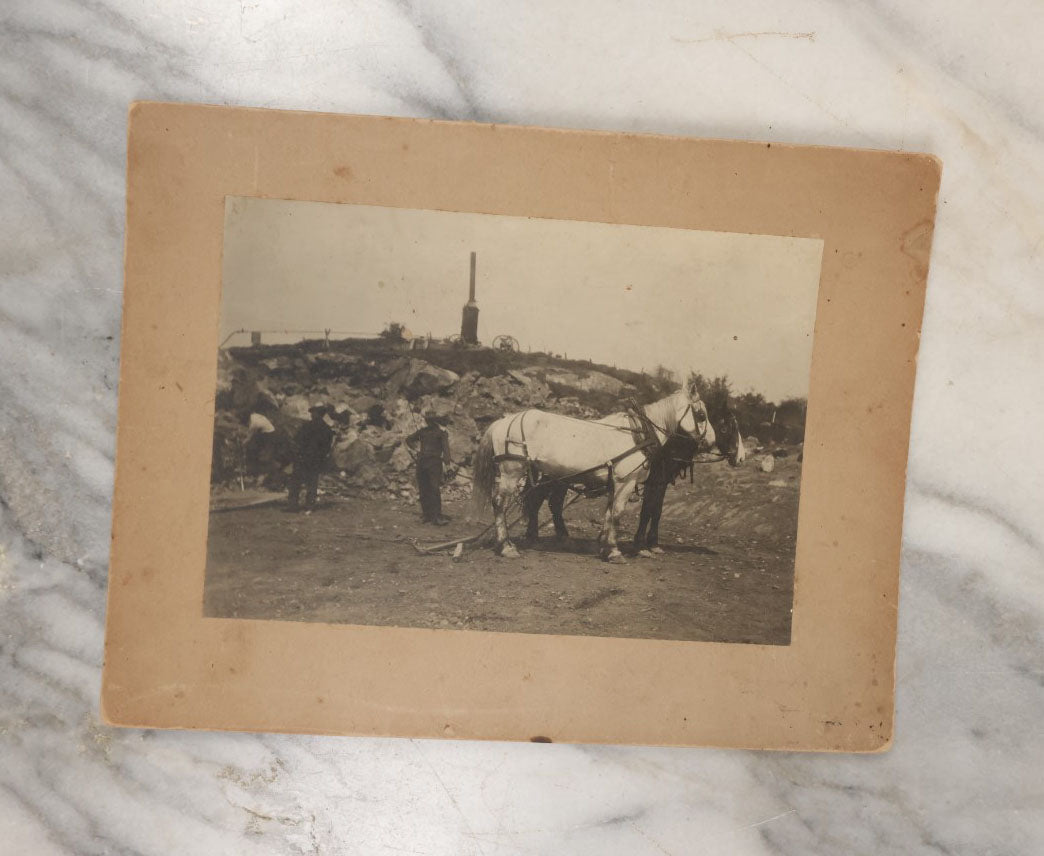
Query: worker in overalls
[
  {"x": 311, "y": 449},
  {"x": 431, "y": 451}
]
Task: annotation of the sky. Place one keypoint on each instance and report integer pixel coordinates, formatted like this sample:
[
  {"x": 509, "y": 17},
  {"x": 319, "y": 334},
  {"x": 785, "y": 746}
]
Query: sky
[{"x": 631, "y": 296}]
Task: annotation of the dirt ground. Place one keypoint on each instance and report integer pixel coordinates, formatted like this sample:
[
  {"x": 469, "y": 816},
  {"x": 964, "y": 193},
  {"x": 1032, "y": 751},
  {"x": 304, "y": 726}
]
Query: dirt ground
[{"x": 727, "y": 575}]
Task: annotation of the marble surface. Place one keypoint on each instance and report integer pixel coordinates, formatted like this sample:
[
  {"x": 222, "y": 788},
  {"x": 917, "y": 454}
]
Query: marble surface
[{"x": 961, "y": 79}]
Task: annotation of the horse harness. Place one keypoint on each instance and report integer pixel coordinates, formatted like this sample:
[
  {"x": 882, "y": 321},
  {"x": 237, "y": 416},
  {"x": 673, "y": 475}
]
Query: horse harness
[{"x": 644, "y": 431}]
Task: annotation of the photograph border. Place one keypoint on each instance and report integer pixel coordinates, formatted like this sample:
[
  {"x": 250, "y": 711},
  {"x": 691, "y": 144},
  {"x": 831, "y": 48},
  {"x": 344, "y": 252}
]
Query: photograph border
[{"x": 830, "y": 689}]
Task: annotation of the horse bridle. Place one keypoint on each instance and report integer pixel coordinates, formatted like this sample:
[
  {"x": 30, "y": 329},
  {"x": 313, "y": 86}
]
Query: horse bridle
[
  {"x": 722, "y": 456},
  {"x": 696, "y": 420}
]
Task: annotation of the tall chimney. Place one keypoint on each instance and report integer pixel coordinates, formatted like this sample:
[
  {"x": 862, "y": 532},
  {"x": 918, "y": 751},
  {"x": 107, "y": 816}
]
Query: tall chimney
[
  {"x": 469, "y": 317},
  {"x": 471, "y": 290}
]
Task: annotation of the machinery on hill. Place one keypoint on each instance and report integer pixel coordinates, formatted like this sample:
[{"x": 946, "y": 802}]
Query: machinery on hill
[{"x": 506, "y": 343}]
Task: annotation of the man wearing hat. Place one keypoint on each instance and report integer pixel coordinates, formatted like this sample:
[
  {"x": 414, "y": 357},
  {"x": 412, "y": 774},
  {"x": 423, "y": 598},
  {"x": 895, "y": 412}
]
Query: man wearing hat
[
  {"x": 311, "y": 449},
  {"x": 434, "y": 452}
]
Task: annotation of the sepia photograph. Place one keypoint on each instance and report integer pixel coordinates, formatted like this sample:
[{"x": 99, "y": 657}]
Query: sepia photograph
[{"x": 482, "y": 422}]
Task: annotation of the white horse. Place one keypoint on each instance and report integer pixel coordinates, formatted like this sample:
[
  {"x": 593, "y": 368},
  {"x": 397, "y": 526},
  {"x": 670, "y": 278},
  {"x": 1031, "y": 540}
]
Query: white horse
[{"x": 523, "y": 450}]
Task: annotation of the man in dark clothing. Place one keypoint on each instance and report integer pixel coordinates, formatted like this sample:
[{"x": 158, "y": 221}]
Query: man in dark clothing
[
  {"x": 311, "y": 449},
  {"x": 434, "y": 452},
  {"x": 669, "y": 461}
]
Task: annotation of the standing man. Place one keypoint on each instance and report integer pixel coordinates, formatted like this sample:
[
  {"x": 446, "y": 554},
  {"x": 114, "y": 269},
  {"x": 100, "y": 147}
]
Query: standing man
[
  {"x": 671, "y": 460},
  {"x": 434, "y": 453},
  {"x": 311, "y": 449}
]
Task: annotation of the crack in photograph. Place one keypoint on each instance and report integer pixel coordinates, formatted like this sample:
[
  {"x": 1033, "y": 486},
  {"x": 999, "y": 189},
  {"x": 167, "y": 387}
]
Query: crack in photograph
[{"x": 466, "y": 421}]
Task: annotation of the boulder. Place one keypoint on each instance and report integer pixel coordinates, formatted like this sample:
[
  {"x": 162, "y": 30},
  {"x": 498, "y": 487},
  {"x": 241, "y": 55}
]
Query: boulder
[
  {"x": 588, "y": 381},
  {"x": 466, "y": 384},
  {"x": 492, "y": 397},
  {"x": 353, "y": 454},
  {"x": 369, "y": 476},
  {"x": 259, "y": 424},
  {"x": 486, "y": 408},
  {"x": 424, "y": 379},
  {"x": 400, "y": 420},
  {"x": 464, "y": 435},
  {"x": 336, "y": 390},
  {"x": 363, "y": 402},
  {"x": 401, "y": 460},
  {"x": 520, "y": 377},
  {"x": 767, "y": 463},
  {"x": 571, "y": 406},
  {"x": 442, "y": 407},
  {"x": 296, "y": 407},
  {"x": 390, "y": 368}
]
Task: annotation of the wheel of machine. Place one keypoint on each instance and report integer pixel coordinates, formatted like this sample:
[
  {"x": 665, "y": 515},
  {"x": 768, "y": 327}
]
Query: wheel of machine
[{"x": 505, "y": 343}]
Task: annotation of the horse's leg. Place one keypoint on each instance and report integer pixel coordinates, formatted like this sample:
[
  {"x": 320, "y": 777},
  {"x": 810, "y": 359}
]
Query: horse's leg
[
  {"x": 604, "y": 547},
  {"x": 532, "y": 499},
  {"x": 618, "y": 496},
  {"x": 557, "y": 503},
  {"x": 506, "y": 487},
  {"x": 653, "y": 541},
  {"x": 643, "y": 518}
]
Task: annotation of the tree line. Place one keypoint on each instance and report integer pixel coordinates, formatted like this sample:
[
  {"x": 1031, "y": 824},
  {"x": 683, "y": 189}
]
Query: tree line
[{"x": 769, "y": 421}]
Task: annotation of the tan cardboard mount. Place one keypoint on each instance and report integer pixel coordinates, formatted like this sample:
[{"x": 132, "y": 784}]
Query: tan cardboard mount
[{"x": 831, "y": 689}]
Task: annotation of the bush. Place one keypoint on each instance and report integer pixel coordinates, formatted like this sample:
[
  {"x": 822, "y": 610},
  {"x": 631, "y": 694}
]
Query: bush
[{"x": 394, "y": 332}]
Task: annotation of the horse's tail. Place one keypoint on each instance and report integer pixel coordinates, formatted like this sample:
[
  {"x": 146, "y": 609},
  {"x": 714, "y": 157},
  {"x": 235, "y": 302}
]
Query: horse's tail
[{"x": 483, "y": 476}]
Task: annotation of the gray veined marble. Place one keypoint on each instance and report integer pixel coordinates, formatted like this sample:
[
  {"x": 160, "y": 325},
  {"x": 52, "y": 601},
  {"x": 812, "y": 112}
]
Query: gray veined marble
[{"x": 960, "y": 80}]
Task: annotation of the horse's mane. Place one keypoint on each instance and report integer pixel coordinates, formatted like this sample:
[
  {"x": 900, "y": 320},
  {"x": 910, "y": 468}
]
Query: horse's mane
[{"x": 665, "y": 412}]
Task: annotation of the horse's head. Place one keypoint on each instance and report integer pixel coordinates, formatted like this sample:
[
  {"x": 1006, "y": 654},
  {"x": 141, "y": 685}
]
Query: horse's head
[
  {"x": 730, "y": 439},
  {"x": 696, "y": 423}
]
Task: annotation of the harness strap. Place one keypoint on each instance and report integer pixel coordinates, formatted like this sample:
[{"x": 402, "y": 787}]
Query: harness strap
[
  {"x": 508, "y": 456},
  {"x": 520, "y": 419}
]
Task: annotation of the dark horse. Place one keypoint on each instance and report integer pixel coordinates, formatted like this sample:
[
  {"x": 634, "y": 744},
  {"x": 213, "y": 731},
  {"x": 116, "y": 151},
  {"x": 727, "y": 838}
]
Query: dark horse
[{"x": 673, "y": 459}]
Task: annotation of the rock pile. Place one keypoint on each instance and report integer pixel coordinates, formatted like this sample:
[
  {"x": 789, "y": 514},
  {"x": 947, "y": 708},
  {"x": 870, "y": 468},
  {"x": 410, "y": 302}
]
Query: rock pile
[{"x": 376, "y": 402}]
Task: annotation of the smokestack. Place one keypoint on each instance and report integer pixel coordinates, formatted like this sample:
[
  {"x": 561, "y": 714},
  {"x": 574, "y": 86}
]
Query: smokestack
[
  {"x": 471, "y": 290},
  {"x": 469, "y": 317}
]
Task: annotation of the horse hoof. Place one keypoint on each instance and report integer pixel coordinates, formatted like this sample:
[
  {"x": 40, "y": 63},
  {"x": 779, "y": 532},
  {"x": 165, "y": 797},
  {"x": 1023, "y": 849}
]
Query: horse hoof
[
  {"x": 616, "y": 558},
  {"x": 509, "y": 551},
  {"x": 645, "y": 554},
  {"x": 657, "y": 551}
]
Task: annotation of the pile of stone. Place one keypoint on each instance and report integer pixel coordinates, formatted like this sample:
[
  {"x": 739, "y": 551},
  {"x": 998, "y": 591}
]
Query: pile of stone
[{"x": 375, "y": 403}]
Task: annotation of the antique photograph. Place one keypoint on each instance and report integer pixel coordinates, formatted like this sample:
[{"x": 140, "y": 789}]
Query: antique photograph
[{"x": 468, "y": 421}]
